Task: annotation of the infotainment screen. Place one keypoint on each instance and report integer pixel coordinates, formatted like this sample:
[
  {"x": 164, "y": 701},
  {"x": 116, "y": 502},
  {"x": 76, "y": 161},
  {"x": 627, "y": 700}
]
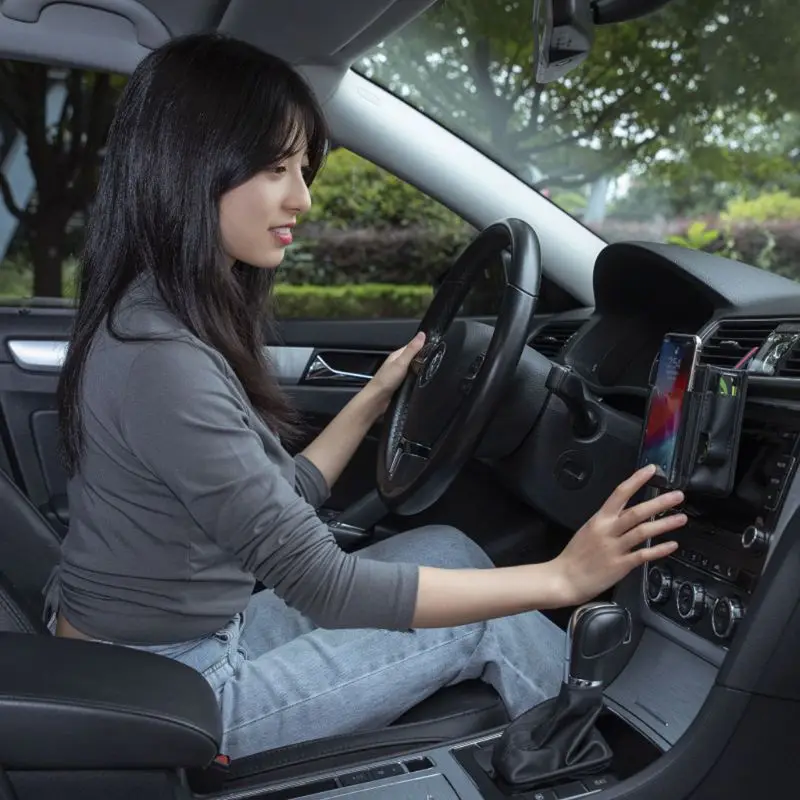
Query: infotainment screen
[{"x": 676, "y": 364}]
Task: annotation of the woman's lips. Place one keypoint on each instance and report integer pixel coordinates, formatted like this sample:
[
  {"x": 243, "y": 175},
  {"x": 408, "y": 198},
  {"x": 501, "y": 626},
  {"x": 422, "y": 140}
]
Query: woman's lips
[{"x": 283, "y": 235}]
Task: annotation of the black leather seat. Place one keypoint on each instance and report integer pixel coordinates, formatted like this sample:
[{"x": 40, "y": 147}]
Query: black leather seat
[{"x": 29, "y": 548}]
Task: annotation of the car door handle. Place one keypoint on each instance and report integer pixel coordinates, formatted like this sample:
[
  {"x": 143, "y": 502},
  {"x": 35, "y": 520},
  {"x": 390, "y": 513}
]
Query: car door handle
[{"x": 320, "y": 371}]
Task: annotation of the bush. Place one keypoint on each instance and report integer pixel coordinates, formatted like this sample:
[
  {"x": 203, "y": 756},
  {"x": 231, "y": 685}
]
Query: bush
[
  {"x": 766, "y": 207},
  {"x": 365, "y": 301},
  {"x": 773, "y": 245},
  {"x": 16, "y": 277},
  {"x": 415, "y": 255},
  {"x": 353, "y": 192}
]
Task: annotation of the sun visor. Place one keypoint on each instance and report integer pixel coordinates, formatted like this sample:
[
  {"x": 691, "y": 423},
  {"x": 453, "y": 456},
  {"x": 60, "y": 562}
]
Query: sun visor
[{"x": 319, "y": 31}]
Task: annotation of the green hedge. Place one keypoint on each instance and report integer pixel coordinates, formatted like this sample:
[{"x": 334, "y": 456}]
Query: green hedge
[
  {"x": 348, "y": 301},
  {"x": 416, "y": 255},
  {"x": 365, "y": 301}
]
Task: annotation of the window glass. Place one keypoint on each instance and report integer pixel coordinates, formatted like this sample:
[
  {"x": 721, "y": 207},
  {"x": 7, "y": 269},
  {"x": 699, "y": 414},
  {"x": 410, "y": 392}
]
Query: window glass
[
  {"x": 682, "y": 126},
  {"x": 372, "y": 246},
  {"x": 53, "y": 126}
]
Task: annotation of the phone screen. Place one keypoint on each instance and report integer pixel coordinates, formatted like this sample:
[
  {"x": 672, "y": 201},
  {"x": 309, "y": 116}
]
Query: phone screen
[{"x": 673, "y": 376}]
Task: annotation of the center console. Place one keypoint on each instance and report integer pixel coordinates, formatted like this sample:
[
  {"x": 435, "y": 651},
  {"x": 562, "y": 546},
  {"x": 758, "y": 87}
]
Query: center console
[
  {"x": 455, "y": 772},
  {"x": 568, "y": 746},
  {"x": 706, "y": 585}
]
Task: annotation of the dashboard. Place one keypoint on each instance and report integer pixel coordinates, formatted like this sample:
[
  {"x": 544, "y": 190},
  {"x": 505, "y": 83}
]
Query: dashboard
[
  {"x": 692, "y": 606},
  {"x": 645, "y": 290}
]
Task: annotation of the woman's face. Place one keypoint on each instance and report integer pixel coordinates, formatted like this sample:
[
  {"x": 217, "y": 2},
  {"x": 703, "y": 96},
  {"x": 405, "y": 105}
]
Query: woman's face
[{"x": 257, "y": 218}]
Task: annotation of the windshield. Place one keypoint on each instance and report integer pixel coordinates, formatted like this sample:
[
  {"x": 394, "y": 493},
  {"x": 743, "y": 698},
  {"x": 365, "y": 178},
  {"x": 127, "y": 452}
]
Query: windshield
[{"x": 683, "y": 126}]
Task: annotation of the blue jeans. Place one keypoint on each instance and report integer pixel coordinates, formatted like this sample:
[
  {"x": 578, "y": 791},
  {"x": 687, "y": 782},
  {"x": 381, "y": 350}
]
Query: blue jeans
[{"x": 280, "y": 680}]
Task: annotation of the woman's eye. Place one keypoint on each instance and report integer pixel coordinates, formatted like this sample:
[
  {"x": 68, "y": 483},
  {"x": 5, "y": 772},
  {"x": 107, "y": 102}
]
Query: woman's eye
[{"x": 278, "y": 170}]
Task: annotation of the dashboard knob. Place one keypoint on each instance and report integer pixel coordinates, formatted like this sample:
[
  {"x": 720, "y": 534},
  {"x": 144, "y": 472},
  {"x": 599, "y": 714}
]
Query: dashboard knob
[
  {"x": 659, "y": 584},
  {"x": 725, "y": 616},
  {"x": 690, "y": 600},
  {"x": 754, "y": 539}
]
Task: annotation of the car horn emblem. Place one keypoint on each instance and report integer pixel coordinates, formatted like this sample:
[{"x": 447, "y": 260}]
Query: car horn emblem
[{"x": 432, "y": 363}]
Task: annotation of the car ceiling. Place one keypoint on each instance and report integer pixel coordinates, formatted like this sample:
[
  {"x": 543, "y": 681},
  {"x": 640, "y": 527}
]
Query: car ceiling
[{"x": 116, "y": 34}]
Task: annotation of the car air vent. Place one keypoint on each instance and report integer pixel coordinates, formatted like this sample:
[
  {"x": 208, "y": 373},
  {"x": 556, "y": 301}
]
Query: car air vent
[
  {"x": 733, "y": 339},
  {"x": 553, "y": 337},
  {"x": 790, "y": 368}
]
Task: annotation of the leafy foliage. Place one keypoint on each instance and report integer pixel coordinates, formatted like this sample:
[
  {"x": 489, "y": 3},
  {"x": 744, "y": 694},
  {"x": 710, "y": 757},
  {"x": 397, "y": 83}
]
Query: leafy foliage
[
  {"x": 697, "y": 237},
  {"x": 691, "y": 80},
  {"x": 354, "y": 301},
  {"x": 366, "y": 225},
  {"x": 352, "y": 192},
  {"x": 769, "y": 206}
]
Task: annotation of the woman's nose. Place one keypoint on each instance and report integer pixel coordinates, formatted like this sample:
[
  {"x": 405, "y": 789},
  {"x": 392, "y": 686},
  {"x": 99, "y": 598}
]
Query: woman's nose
[{"x": 299, "y": 201}]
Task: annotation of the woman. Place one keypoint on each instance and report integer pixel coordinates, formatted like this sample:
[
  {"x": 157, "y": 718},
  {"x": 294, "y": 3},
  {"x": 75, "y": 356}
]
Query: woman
[{"x": 181, "y": 493}]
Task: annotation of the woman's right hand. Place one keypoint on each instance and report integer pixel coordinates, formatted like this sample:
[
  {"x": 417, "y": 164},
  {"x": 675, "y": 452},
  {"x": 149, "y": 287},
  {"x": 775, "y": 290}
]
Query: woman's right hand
[{"x": 602, "y": 552}]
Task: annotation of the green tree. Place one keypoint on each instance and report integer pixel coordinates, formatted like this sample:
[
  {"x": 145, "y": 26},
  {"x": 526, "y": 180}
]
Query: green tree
[
  {"x": 682, "y": 81},
  {"x": 63, "y": 157}
]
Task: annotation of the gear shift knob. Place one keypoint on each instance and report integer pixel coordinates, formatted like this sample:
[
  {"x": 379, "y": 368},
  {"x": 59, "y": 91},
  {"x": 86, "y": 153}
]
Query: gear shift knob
[{"x": 595, "y": 631}]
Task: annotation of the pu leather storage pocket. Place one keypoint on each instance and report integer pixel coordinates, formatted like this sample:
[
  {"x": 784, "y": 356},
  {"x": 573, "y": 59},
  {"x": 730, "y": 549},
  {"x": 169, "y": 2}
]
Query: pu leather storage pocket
[{"x": 713, "y": 424}]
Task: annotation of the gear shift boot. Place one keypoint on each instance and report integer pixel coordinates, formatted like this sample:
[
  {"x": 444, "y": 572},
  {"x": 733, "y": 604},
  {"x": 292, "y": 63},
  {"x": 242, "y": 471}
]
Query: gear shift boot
[
  {"x": 558, "y": 738},
  {"x": 554, "y": 740}
]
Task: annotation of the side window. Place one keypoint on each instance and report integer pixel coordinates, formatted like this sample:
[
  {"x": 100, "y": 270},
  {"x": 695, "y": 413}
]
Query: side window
[
  {"x": 53, "y": 127},
  {"x": 373, "y": 247}
]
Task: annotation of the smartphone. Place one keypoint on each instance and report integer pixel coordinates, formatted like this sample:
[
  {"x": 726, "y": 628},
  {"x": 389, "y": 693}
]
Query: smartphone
[{"x": 674, "y": 376}]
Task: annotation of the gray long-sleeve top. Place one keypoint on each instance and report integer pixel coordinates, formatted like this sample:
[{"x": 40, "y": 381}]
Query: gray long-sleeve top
[{"x": 184, "y": 497}]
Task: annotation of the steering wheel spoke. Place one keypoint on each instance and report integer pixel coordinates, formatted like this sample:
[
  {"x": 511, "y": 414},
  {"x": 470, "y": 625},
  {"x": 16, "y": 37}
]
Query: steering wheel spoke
[
  {"x": 456, "y": 381},
  {"x": 408, "y": 449}
]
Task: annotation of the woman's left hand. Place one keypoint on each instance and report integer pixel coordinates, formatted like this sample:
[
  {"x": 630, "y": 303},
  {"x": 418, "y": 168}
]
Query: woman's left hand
[{"x": 393, "y": 371}]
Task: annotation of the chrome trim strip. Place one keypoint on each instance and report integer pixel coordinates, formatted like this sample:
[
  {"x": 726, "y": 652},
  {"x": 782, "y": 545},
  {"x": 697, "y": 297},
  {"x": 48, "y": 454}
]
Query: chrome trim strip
[
  {"x": 321, "y": 371},
  {"x": 36, "y": 355}
]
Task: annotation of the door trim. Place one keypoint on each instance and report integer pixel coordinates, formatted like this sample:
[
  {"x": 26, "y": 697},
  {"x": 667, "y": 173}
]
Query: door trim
[{"x": 39, "y": 355}]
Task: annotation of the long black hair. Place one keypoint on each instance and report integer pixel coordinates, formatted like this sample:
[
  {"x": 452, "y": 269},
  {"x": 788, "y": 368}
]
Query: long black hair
[{"x": 198, "y": 117}]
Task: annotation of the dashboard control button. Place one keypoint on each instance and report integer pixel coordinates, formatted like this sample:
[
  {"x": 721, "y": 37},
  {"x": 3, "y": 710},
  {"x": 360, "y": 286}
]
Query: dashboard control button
[
  {"x": 783, "y": 464},
  {"x": 599, "y": 782},
  {"x": 725, "y": 616},
  {"x": 690, "y": 600},
  {"x": 569, "y": 790},
  {"x": 754, "y": 539},
  {"x": 659, "y": 584}
]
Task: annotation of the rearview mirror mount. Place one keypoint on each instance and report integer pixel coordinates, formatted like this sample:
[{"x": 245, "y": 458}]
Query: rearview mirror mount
[
  {"x": 563, "y": 30},
  {"x": 563, "y": 33}
]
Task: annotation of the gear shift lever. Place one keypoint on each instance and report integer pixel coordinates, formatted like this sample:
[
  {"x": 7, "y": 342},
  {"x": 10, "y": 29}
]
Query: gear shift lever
[
  {"x": 595, "y": 631},
  {"x": 558, "y": 738}
]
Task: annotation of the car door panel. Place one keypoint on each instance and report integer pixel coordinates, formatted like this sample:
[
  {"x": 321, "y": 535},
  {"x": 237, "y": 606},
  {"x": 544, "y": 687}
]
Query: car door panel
[
  {"x": 34, "y": 342},
  {"x": 347, "y": 334},
  {"x": 29, "y": 425}
]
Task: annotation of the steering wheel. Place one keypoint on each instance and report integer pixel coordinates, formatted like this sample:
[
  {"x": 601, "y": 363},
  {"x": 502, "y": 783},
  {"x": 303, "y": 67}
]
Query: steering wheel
[{"x": 453, "y": 387}]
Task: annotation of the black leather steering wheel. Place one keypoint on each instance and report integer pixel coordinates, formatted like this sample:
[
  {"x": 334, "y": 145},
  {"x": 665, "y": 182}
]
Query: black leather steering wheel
[{"x": 436, "y": 418}]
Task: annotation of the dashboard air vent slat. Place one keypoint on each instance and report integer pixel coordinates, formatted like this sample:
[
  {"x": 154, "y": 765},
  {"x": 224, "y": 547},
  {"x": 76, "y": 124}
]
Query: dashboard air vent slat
[
  {"x": 790, "y": 368},
  {"x": 733, "y": 339},
  {"x": 554, "y": 336}
]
